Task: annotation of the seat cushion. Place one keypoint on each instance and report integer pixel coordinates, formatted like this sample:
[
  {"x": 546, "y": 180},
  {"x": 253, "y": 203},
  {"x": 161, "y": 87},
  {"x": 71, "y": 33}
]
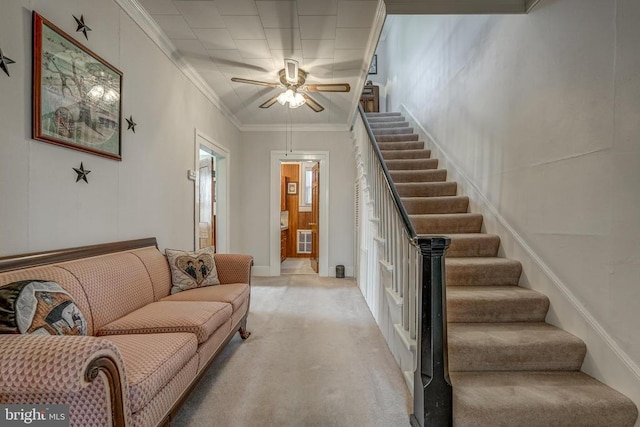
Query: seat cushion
[
  {"x": 235, "y": 294},
  {"x": 199, "y": 318},
  {"x": 151, "y": 361}
]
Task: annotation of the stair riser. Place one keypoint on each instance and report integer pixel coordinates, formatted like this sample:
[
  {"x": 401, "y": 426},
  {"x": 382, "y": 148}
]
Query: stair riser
[
  {"x": 435, "y": 189},
  {"x": 431, "y": 175},
  {"x": 469, "y": 310},
  {"x": 406, "y": 154},
  {"x": 393, "y": 131},
  {"x": 378, "y": 115},
  {"x": 548, "y": 350},
  {"x": 392, "y": 119},
  {"x": 436, "y": 205},
  {"x": 397, "y": 138},
  {"x": 537, "y": 399},
  {"x": 473, "y": 275},
  {"x": 469, "y": 223},
  {"x": 412, "y": 164},
  {"x": 400, "y": 145},
  {"x": 467, "y": 358},
  {"x": 385, "y": 125},
  {"x": 482, "y": 245}
]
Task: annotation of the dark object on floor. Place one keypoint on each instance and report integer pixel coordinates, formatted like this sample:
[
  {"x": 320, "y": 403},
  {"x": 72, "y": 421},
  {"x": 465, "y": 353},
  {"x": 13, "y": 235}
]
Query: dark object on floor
[{"x": 340, "y": 271}]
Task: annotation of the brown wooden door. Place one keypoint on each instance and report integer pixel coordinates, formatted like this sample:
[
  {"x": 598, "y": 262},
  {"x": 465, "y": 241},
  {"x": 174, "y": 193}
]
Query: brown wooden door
[{"x": 315, "y": 216}]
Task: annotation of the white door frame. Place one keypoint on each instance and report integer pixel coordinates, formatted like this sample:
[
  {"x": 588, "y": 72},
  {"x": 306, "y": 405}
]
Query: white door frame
[
  {"x": 274, "y": 208},
  {"x": 223, "y": 174}
]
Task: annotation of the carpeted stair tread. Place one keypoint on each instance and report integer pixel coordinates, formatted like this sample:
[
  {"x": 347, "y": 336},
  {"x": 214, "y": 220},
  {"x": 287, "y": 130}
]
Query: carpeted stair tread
[
  {"x": 406, "y": 154},
  {"x": 518, "y": 346},
  {"x": 427, "y": 175},
  {"x": 472, "y": 245},
  {"x": 384, "y": 114},
  {"x": 537, "y": 399},
  {"x": 480, "y": 271},
  {"x": 401, "y": 145},
  {"x": 384, "y": 125},
  {"x": 387, "y": 119},
  {"x": 397, "y": 138},
  {"x": 447, "y": 223},
  {"x": 508, "y": 367},
  {"x": 411, "y": 164},
  {"x": 427, "y": 189},
  {"x": 486, "y": 304},
  {"x": 433, "y": 205},
  {"x": 392, "y": 131}
]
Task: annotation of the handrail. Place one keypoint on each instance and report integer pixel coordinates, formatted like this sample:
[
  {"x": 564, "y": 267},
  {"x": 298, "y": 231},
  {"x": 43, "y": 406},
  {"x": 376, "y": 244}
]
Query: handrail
[
  {"x": 415, "y": 279},
  {"x": 392, "y": 188}
]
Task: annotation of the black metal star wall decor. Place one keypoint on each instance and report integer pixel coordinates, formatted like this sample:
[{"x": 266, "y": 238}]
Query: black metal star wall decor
[
  {"x": 82, "y": 173},
  {"x": 4, "y": 62},
  {"x": 131, "y": 125},
  {"x": 82, "y": 27}
]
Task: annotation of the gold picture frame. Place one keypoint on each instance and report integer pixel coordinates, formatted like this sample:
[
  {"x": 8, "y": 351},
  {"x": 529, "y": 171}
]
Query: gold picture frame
[{"x": 77, "y": 100}]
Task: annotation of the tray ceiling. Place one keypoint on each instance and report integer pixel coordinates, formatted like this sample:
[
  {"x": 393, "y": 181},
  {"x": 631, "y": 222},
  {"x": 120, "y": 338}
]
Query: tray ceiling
[{"x": 333, "y": 40}]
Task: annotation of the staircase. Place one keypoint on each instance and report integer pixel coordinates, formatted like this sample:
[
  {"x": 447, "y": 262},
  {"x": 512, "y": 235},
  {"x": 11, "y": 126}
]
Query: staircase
[{"x": 507, "y": 366}]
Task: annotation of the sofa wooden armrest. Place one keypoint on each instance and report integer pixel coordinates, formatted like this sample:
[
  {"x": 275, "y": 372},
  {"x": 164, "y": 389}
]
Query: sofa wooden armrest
[{"x": 60, "y": 367}]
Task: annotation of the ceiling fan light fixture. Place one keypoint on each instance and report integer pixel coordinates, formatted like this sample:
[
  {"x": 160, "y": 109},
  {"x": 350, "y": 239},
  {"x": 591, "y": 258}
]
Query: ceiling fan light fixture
[
  {"x": 294, "y": 99},
  {"x": 297, "y": 101},
  {"x": 286, "y": 96}
]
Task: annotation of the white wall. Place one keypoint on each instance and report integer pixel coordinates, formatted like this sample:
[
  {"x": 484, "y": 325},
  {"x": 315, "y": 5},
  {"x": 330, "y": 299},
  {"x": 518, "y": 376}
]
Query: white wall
[
  {"x": 147, "y": 193},
  {"x": 541, "y": 113},
  {"x": 254, "y": 213}
]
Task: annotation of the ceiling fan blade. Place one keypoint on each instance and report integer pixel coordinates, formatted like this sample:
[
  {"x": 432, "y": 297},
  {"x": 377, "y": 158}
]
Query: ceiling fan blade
[
  {"x": 253, "y": 82},
  {"x": 335, "y": 87},
  {"x": 269, "y": 102},
  {"x": 312, "y": 103}
]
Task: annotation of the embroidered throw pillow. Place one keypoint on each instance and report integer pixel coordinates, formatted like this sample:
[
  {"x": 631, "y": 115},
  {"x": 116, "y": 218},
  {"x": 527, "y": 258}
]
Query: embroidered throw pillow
[
  {"x": 39, "y": 307},
  {"x": 191, "y": 270}
]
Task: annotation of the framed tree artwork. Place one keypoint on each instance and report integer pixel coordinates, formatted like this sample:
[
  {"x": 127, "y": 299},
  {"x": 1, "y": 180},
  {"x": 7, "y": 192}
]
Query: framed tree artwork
[{"x": 76, "y": 94}]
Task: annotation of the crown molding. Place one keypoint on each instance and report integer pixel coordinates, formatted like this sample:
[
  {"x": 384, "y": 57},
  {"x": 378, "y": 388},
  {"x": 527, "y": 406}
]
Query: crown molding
[
  {"x": 530, "y": 4},
  {"x": 147, "y": 24},
  {"x": 321, "y": 127},
  {"x": 456, "y": 7}
]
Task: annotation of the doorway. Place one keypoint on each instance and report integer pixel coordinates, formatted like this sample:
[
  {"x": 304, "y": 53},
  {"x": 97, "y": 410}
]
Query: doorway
[
  {"x": 299, "y": 217},
  {"x": 278, "y": 187},
  {"x": 211, "y": 213}
]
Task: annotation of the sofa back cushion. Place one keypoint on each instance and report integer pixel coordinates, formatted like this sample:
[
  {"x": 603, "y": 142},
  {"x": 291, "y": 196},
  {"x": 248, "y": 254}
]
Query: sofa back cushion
[
  {"x": 64, "y": 278},
  {"x": 158, "y": 268},
  {"x": 115, "y": 285}
]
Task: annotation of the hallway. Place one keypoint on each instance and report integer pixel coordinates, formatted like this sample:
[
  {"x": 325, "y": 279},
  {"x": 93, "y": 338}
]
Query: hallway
[
  {"x": 296, "y": 266},
  {"x": 315, "y": 358}
]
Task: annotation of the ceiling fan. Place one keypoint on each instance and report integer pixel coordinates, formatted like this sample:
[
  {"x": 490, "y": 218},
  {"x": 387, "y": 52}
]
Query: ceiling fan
[{"x": 293, "y": 80}]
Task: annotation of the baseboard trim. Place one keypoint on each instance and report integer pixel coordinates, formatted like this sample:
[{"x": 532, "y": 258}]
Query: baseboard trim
[
  {"x": 261, "y": 271},
  {"x": 591, "y": 321}
]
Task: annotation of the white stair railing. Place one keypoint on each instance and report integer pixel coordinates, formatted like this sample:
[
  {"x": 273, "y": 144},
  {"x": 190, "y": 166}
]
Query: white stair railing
[{"x": 401, "y": 276}]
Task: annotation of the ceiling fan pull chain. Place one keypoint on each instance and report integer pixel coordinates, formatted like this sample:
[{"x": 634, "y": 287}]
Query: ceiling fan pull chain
[{"x": 290, "y": 131}]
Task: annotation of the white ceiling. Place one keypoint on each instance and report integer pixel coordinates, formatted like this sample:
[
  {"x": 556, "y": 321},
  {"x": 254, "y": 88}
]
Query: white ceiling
[{"x": 332, "y": 39}]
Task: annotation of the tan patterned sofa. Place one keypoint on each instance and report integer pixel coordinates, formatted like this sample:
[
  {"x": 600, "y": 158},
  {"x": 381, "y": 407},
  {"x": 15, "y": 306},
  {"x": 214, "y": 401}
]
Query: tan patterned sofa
[{"x": 145, "y": 349}]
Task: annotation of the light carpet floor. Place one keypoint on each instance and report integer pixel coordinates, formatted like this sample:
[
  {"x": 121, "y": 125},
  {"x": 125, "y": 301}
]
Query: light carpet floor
[
  {"x": 315, "y": 358},
  {"x": 296, "y": 266}
]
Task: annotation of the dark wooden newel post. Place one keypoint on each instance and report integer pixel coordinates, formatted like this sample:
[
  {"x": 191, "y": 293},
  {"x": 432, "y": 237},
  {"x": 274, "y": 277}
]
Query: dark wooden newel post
[{"x": 433, "y": 394}]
